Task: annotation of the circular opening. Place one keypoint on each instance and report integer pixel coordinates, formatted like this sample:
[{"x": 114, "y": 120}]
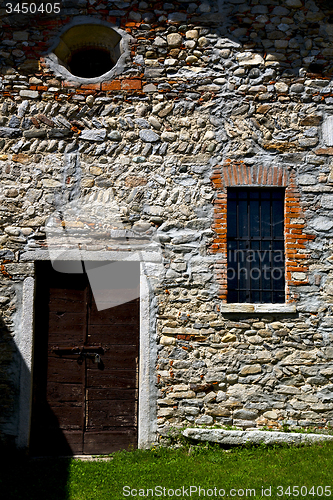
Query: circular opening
[
  {"x": 89, "y": 50},
  {"x": 90, "y": 62}
]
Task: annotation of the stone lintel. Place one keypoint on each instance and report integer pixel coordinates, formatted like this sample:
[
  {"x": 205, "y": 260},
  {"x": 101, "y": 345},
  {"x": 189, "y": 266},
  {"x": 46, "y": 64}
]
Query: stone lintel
[{"x": 101, "y": 256}]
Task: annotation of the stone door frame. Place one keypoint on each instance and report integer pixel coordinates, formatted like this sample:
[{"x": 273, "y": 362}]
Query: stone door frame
[{"x": 149, "y": 272}]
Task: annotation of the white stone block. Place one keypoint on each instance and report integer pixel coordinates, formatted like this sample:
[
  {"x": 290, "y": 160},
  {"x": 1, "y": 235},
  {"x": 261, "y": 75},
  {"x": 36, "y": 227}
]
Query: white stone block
[{"x": 328, "y": 131}]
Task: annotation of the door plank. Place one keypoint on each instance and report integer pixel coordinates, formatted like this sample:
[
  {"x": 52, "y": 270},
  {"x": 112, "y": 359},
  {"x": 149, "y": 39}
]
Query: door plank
[
  {"x": 64, "y": 370},
  {"x": 64, "y": 305},
  {"x": 125, "y": 313},
  {"x": 73, "y": 336},
  {"x": 66, "y": 319},
  {"x": 67, "y": 417},
  {"x": 100, "y": 421},
  {"x": 113, "y": 334},
  {"x": 122, "y": 379},
  {"x": 61, "y": 393},
  {"x": 108, "y": 393},
  {"x": 114, "y": 358},
  {"x": 109, "y": 441},
  {"x": 105, "y": 413}
]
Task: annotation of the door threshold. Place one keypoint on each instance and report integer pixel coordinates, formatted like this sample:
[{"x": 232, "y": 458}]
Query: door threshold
[{"x": 90, "y": 458}]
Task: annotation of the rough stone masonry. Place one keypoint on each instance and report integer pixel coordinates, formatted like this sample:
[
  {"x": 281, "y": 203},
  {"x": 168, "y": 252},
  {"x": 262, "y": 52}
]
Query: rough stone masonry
[{"x": 212, "y": 94}]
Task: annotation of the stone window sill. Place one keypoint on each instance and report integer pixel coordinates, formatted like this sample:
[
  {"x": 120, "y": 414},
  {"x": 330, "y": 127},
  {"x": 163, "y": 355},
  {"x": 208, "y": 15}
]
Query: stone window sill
[{"x": 260, "y": 308}]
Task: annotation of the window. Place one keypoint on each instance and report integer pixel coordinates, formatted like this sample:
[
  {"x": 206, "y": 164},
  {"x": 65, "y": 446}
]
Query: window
[
  {"x": 89, "y": 51},
  {"x": 255, "y": 244}
]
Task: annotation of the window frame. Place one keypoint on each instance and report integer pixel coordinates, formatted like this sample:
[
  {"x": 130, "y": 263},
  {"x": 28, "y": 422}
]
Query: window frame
[
  {"x": 238, "y": 173},
  {"x": 246, "y": 237}
]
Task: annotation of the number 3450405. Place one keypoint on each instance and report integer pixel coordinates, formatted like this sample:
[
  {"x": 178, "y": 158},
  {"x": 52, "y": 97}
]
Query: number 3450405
[
  {"x": 303, "y": 491},
  {"x": 32, "y": 8}
]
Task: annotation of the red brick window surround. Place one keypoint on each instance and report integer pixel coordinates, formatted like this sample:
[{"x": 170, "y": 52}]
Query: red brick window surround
[{"x": 238, "y": 174}]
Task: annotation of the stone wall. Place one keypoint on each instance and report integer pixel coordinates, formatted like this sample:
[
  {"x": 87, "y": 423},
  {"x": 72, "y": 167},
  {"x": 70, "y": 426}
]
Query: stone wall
[{"x": 212, "y": 92}]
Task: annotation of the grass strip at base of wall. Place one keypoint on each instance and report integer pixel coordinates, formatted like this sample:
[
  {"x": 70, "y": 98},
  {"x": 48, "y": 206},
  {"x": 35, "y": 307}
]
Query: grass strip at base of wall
[{"x": 240, "y": 472}]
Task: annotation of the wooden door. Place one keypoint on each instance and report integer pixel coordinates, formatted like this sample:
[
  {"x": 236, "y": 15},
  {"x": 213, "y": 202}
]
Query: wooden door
[{"x": 85, "y": 369}]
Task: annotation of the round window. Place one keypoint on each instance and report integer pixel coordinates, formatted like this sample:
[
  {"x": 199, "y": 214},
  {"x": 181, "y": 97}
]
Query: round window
[{"x": 89, "y": 52}]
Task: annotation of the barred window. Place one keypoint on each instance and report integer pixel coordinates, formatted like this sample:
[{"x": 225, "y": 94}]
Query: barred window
[{"x": 255, "y": 242}]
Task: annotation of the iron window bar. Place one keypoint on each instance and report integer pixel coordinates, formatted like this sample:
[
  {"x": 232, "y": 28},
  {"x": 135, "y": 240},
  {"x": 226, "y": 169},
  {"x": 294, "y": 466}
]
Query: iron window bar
[{"x": 255, "y": 245}]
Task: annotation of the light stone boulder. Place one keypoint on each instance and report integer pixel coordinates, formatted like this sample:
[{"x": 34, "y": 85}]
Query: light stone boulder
[
  {"x": 51, "y": 183},
  {"x": 248, "y": 59},
  {"x": 281, "y": 87},
  {"x": 202, "y": 41},
  {"x": 30, "y": 94},
  {"x": 93, "y": 135},
  {"x": 327, "y": 201},
  {"x": 155, "y": 122},
  {"x": 250, "y": 370},
  {"x": 233, "y": 438},
  {"x": 167, "y": 340},
  {"x": 191, "y": 59},
  {"x": 287, "y": 389},
  {"x": 12, "y": 231},
  {"x": 192, "y": 34},
  {"x": 300, "y": 358},
  {"x": 229, "y": 337},
  {"x": 322, "y": 224},
  {"x": 170, "y": 62},
  {"x": 190, "y": 44},
  {"x": 307, "y": 180},
  {"x": 148, "y": 136},
  {"x": 204, "y": 420},
  {"x": 298, "y": 276},
  {"x": 209, "y": 135},
  {"x": 243, "y": 392},
  {"x": 174, "y": 40},
  {"x": 159, "y": 42},
  {"x": 297, "y": 88},
  {"x": 271, "y": 415},
  {"x": 245, "y": 414}
]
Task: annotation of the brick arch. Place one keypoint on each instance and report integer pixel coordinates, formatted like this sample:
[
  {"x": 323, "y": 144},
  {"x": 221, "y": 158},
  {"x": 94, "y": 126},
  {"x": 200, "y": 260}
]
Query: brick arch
[
  {"x": 233, "y": 174},
  {"x": 253, "y": 175}
]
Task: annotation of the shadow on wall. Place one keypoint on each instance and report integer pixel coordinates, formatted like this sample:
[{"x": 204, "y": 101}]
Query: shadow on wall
[
  {"x": 15, "y": 384},
  {"x": 22, "y": 478},
  {"x": 10, "y": 362},
  {"x": 282, "y": 34}
]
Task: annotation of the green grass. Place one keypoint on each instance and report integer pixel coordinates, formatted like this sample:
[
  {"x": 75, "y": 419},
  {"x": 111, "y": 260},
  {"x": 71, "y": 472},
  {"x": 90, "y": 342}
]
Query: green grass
[{"x": 208, "y": 467}]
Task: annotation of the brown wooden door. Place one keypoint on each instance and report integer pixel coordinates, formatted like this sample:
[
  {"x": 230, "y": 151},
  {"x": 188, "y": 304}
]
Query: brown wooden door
[{"x": 82, "y": 404}]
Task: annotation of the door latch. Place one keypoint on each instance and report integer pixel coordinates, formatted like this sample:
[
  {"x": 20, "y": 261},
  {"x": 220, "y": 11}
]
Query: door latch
[
  {"x": 95, "y": 357},
  {"x": 84, "y": 352}
]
